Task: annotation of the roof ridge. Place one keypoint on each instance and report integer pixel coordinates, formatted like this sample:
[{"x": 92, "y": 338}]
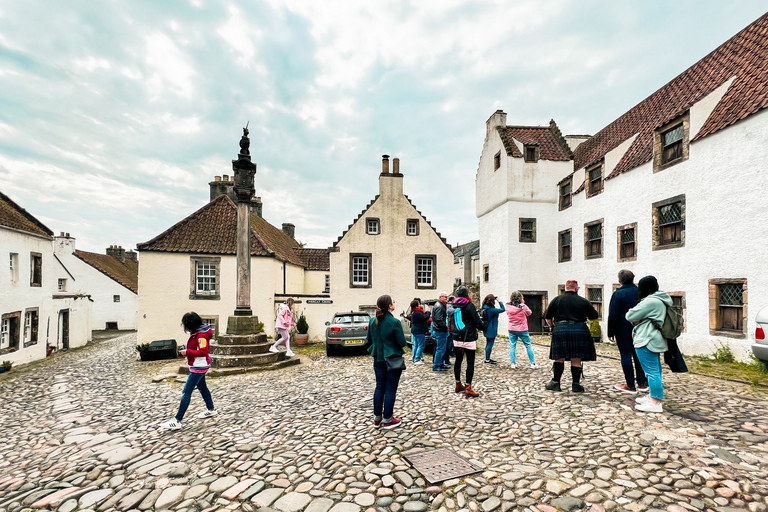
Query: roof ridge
[
  {"x": 28, "y": 216},
  {"x": 186, "y": 220}
]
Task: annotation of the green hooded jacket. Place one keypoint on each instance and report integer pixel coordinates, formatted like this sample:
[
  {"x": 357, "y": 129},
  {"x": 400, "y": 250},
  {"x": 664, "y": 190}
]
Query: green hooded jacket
[
  {"x": 387, "y": 338},
  {"x": 644, "y": 334}
]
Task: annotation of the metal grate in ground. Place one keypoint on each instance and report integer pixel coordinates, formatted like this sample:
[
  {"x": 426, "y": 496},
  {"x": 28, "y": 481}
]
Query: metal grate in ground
[{"x": 440, "y": 464}]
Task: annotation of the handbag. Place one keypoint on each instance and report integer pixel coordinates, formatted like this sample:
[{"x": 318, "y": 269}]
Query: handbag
[
  {"x": 674, "y": 358},
  {"x": 395, "y": 363}
]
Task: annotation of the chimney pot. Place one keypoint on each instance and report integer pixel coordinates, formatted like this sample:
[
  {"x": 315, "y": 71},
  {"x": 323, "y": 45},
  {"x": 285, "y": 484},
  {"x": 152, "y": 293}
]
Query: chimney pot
[
  {"x": 385, "y": 164},
  {"x": 396, "y": 165},
  {"x": 67, "y": 235},
  {"x": 226, "y": 177},
  {"x": 217, "y": 178},
  {"x": 289, "y": 229},
  {"x": 62, "y": 234}
]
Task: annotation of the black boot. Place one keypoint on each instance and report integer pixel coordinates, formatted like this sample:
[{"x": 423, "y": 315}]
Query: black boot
[
  {"x": 553, "y": 385},
  {"x": 576, "y": 375}
]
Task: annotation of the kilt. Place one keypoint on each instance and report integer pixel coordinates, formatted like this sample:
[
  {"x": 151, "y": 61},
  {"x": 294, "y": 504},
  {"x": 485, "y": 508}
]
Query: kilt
[{"x": 572, "y": 341}]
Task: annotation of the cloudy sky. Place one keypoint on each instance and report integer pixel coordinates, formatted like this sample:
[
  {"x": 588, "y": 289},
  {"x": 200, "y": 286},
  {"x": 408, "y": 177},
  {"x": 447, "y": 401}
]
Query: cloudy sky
[{"x": 115, "y": 115}]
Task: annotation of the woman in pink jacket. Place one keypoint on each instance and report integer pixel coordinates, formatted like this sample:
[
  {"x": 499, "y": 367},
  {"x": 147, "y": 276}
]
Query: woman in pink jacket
[
  {"x": 283, "y": 323},
  {"x": 518, "y": 314}
]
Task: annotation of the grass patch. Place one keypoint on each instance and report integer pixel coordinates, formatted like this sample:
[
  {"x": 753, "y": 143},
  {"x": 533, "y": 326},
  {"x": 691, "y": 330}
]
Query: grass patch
[{"x": 314, "y": 350}]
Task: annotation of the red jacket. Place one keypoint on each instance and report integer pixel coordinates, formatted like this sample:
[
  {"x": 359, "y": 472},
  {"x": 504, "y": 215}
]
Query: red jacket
[{"x": 197, "y": 349}]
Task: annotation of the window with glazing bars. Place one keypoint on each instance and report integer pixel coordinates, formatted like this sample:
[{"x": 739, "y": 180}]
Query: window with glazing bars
[
  {"x": 732, "y": 306},
  {"x": 595, "y": 297},
  {"x": 565, "y": 195},
  {"x": 360, "y": 270},
  {"x": 565, "y": 246},
  {"x": 627, "y": 243},
  {"x": 30, "y": 326},
  {"x": 526, "y": 231},
  {"x": 672, "y": 144},
  {"x": 595, "y": 240},
  {"x": 205, "y": 274},
  {"x": 373, "y": 226},
  {"x": 595, "y": 180},
  {"x": 424, "y": 268},
  {"x": 671, "y": 223},
  {"x": 412, "y": 228}
]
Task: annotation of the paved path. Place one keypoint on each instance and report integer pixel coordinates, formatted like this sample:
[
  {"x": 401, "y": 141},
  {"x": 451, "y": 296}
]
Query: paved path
[{"x": 80, "y": 432}]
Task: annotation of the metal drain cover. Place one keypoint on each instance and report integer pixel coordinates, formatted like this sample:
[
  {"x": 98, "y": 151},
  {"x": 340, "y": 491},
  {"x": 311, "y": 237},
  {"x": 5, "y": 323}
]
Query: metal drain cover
[{"x": 440, "y": 464}]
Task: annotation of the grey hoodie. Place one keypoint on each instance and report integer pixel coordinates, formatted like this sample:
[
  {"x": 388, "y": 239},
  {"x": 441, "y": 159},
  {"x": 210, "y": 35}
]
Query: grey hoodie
[{"x": 644, "y": 334}]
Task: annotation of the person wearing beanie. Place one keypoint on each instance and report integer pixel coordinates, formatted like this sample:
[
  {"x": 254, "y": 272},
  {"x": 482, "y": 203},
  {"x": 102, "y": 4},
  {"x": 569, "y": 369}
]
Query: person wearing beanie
[
  {"x": 647, "y": 338},
  {"x": 567, "y": 314},
  {"x": 620, "y": 331},
  {"x": 465, "y": 343}
]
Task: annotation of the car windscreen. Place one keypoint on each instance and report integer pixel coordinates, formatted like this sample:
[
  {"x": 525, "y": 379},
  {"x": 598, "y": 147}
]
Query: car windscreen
[{"x": 350, "y": 319}]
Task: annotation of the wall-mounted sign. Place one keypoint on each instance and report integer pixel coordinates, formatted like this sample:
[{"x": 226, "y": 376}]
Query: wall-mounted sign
[{"x": 319, "y": 301}]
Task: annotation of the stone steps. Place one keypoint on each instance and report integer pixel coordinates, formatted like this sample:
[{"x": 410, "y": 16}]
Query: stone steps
[
  {"x": 221, "y": 372},
  {"x": 217, "y": 350},
  {"x": 241, "y": 339}
]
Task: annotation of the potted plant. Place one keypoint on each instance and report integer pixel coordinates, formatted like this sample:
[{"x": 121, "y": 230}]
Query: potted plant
[
  {"x": 143, "y": 350},
  {"x": 302, "y": 327},
  {"x": 7, "y": 365},
  {"x": 595, "y": 331}
]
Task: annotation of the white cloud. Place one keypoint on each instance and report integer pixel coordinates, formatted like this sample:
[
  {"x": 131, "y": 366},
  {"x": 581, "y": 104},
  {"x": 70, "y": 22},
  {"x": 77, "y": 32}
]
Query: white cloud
[
  {"x": 172, "y": 71},
  {"x": 91, "y": 64},
  {"x": 237, "y": 32}
]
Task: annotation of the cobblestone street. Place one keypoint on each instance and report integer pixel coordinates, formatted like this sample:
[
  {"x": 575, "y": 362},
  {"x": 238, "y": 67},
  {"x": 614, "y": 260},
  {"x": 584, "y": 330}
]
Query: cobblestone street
[{"x": 80, "y": 432}]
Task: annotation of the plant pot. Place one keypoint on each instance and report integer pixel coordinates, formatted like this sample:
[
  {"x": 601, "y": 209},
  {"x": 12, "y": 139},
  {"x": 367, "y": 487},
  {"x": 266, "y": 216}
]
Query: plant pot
[
  {"x": 597, "y": 339},
  {"x": 2, "y": 369},
  {"x": 302, "y": 339}
]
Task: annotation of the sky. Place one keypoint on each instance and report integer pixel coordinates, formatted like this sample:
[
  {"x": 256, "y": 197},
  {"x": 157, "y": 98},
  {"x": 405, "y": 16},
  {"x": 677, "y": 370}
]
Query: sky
[{"x": 115, "y": 115}]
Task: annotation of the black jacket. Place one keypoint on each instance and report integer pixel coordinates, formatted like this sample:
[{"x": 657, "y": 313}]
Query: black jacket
[
  {"x": 622, "y": 300},
  {"x": 439, "y": 317},
  {"x": 471, "y": 319}
]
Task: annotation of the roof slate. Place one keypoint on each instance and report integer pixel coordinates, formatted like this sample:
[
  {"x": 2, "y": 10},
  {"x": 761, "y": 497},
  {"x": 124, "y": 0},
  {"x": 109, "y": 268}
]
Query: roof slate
[
  {"x": 552, "y": 145},
  {"x": 124, "y": 272},
  {"x": 315, "y": 259},
  {"x": 743, "y": 56},
  {"x": 15, "y": 217},
  {"x": 213, "y": 230}
]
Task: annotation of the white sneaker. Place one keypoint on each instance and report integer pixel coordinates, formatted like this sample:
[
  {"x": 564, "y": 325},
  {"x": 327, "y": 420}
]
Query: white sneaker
[
  {"x": 534, "y": 366},
  {"x": 289, "y": 353},
  {"x": 642, "y": 399},
  {"x": 208, "y": 413},
  {"x": 513, "y": 366},
  {"x": 419, "y": 362},
  {"x": 273, "y": 349},
  {"x": 648, "y": 407},
  {"x": 172, "y": 424}
]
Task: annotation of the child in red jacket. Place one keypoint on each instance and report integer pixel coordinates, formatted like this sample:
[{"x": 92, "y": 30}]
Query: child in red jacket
[{"x": 199, "y": 362}]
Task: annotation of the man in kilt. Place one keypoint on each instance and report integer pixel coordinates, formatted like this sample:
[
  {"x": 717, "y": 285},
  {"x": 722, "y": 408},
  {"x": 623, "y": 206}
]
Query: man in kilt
[{"x": 571, "y": 339}]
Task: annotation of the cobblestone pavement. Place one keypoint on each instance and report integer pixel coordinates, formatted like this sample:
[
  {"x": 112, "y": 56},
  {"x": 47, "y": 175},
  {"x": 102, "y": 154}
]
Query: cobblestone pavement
[{"x": 80, "y": 432}]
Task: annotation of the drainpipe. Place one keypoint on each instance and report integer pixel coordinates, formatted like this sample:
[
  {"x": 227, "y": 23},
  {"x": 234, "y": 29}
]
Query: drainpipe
[{"x": 284, "y": 278}]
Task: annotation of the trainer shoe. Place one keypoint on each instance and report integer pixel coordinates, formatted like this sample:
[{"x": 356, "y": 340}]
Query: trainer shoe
[
  {"x": 513, "y": 366},
  {"x": 289, "y": 353},
  {"x": 642, "y": 399},
  {"x": 448, "y": 364},
  {"x": 394, "y": 422},
  {"x": 377, "y": 423},
  {"x": 208, "y": 413},
  {"x": 491, "y": 362},
  {"x": 172, "y": 424},
  {"x": 440, "y": 369},
  {"x": 643, "y": 389},
  {"x": 625, "y": 389},
  {"x": 576, "y": 388},
  {"x": 553, "y": 386},
  {"x": 649, "y": 407},
  {"x": 273, "y": 349},
  {"x": 419, "y": 362},
  {"x": 534, "y": 366}
]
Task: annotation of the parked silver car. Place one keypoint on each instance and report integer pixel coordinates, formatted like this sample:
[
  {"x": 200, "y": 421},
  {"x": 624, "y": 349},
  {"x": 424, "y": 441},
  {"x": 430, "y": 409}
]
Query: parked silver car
[
  {"x": 760, "y": 346},
  {"x": 347, "y": 329}
]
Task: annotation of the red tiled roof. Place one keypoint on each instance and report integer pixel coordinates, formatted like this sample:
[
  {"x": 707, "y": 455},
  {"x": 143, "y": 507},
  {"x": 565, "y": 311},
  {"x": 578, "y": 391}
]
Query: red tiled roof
[
  {"x": 743, "y": 56},
  {"x": 315, "y": 259},
  {"x": 124, "y": 272},
  {"x": 15, "y": 217},
  {"x": 213, "y": 230},
  {"x": 552, "y": 145}
]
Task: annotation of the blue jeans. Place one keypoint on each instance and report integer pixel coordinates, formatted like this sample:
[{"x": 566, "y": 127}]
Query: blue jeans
[
  {"x": 488, "y": 347},
  {"x": 195, "y": 380},
  {"x": 441, "y": 348},
  {"x": 419, "y": 341},
  {"x": 628, "y": 355},
  {"x": 523, "y": 335},
  {"x": 386, "y": 390},
  {"x": 651, "y": 364}
]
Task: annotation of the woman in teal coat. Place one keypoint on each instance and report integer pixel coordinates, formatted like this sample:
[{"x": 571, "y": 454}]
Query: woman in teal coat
[{"x": 386, "y": 339}]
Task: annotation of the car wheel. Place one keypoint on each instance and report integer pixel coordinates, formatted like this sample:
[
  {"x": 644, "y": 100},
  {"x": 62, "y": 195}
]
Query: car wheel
[{"x": 330, "y": 350}]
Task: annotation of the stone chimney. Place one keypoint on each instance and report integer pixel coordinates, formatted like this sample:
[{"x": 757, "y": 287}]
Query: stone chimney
[
  {"x": 117, "y": 251},
  {"x": 132, "y": 256},
  {"x": 384, "y": 164},
  {"x": 289, "y": 229},
  {"x": 64, "y": 244},
  {"x": 499, "y": 118},
  {"x": 222, "y": 185},
  {"x": 256, "y": 206},
  {"x": 390, "y": 184}
]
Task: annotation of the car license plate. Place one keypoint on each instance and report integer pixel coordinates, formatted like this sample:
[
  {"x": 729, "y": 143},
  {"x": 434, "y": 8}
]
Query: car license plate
[{"x": 354, "y": 342}]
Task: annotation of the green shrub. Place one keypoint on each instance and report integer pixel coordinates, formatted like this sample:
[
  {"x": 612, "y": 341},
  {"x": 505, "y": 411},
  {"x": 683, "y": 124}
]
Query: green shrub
[
  {"x": 757, "y": 364},
  {"x": 302, "y": 327},
  {"x": 724, "y": 354},
  {"x": 594, "y": 329},
  {"x": 144, "y": 347}
]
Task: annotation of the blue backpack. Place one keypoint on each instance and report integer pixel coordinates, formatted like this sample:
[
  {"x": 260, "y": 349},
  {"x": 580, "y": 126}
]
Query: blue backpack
[{"x": 456, "y": 325}]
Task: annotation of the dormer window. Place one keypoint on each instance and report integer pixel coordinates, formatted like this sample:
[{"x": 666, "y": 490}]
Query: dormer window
[
  {"x": 595, "y": 183},
  {"x": 565, "y": 194},
  {"x": 531, "y": 154},
  {"x": 671, "y": 143},
  {"x": 373, "y": 226}
]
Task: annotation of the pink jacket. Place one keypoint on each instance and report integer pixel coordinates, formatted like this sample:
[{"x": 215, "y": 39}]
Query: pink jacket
[
  {"x": 284, "y": 318},
  {"x": 518, "y": 320}
]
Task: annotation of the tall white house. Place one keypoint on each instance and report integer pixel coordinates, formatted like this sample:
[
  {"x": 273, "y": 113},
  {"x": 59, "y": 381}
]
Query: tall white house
[
  {"x": 40, "y": 307},
  {"x": 673, "y": 188}
]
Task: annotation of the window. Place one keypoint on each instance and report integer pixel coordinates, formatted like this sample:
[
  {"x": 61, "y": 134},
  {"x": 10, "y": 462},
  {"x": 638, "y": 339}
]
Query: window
[
  {"x": 204, "y": 281},
  {"x": 727, "y": 307},
  {"x": 626, "y": 238},
  {"x": 565, "y": 194},
  {"x": 595, "y": 177},
  {"x": 593, "y": 239},
  {"x": 678, "y": 304},
  {"x": 564, "y": 250},
  {"x": 359, "y": 270},
  {"x": 426, "y": 271},
  {"x": 213, "y": 321},
  {"x": 30, "y": 327},
  {"x": 669, "y": 223},
  {"x": 62, "y": 285},
  {"x": 14, "y": 267},
  {"x": 115, "y": 298},
  {"x": 412, "y": 227},
  {"x": 486, "y": 273},
  {"x": 671, "y": 143},
  {"x": 560, "y": 289},
  {"x": 35, "y": 269},
  {"x": 372, "y": 226},
  {"x": 9, "y": 332},
  {"x": 497, "y": 161},
  {"x": 4, "y": 333},
  {"x": 595, "y": 297},
  {"x": 531, "y": 153},
  {"x": 327, "y": 283},
  {"x": 528, "y": 230}
]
